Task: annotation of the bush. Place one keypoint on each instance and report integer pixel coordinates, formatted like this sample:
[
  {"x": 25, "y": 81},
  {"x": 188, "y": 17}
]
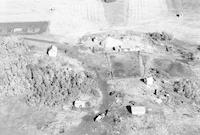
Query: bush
[{"x": 53, "y": 86}]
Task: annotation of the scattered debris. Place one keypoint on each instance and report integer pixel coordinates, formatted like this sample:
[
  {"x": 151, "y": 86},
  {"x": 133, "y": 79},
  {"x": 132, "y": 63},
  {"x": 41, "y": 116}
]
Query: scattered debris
[
  {"x": 189, "y": 56},
  {"x": 160, "y": 37},
  {"x": 187, "y": 88},
  {"x": 157, "y": 73},
  {"x": 119, "y": 100}
]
